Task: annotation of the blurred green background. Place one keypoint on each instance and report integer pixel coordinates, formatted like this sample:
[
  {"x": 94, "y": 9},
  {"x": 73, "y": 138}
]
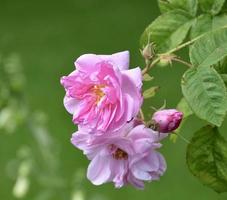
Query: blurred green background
[{"x": 39, "y": 40}]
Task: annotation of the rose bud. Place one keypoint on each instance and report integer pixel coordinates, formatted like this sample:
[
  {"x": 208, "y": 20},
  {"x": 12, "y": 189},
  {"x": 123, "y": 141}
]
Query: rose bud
[
  {"x": 148, "y": 51},
  {"x": 167, "y": 120}
]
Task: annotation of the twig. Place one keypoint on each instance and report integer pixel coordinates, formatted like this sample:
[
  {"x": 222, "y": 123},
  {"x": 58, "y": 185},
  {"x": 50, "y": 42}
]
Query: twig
[
  {"x": 155, "y": 61},
  {"x": 182, "y": 61}
]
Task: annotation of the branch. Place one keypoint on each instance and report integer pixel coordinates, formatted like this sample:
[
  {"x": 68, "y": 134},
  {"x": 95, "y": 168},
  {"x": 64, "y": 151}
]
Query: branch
[
  {"x": 155, "y": 61},
  {"x": 182, "y": 61}
]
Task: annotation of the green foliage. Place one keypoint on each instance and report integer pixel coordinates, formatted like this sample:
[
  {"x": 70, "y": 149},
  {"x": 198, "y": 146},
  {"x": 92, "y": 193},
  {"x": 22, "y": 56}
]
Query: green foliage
[
  {"x": 207, "y": 158},
  {"x": 202, "y": 24},
  {"x": 224, "y": 78},
  {"x": 219, "y": 21},
  {"x": 204, "y": 84},
  {"x": 13, "y": 111},
  {"x": 150, "y": 92},
  {"x": 184, "y": 107},
  {"x": 206, "y": 22},
  {"x": 167, "y": 31},
  {"x": 186, "y": 110},
  {"x": 221, "y": 66},
  {"x": 147, "y": 77},
  {"x": 189, "y": 6},
  {"x": 211, "y": 6},
  {"x": 209, "y": 49},
  {"x": 205, "y": 92}
]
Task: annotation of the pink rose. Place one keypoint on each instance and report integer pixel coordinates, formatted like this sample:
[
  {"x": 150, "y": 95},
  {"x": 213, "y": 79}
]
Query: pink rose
[
  {"x": 167, "y": 120},
  {"x": 126, "y": 157},
  {"x": 102, "y": 93}
]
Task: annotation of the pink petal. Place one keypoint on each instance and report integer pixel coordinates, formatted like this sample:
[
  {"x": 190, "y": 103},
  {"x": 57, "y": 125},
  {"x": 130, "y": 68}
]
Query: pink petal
[
  {"x": 135, "y": 75},
  {"x": 135, "y": 182},
  {"x": 99, "y": 170},
  {"x": 120, "y": 60},
  {"x": 71, "y": 104},
  {"x": 140, "y": 174},
  {"x": 162, "y": 163},
  {"x": 142, "y": 145},
  {"x": 87, "y": 62},
  {"x": 119, "y": 170}
]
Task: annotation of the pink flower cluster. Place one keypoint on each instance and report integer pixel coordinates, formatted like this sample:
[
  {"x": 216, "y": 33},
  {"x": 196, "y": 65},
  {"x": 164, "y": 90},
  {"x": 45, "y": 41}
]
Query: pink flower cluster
[{"x": 104, "y": 97}]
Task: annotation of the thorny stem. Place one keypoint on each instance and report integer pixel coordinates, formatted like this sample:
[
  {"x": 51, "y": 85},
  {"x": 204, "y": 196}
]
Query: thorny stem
[
  {"x": 150, "y": 64},
  {"x": 147, "y": 68},
  {"x": 184, "y": 45}
]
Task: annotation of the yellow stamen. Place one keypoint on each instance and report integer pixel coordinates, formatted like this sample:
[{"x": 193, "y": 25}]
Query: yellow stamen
[
  {"x": 97, "y": 89},
  {"x": 120, "y": 154}
]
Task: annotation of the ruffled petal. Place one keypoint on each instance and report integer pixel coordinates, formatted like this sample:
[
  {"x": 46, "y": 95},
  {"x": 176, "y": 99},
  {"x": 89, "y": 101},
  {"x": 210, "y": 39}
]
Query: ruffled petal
[
  {"x": 119, "y": 170},
  {"x": 162, "y": 163},
  {"x": 135, "y": 182},
  {"x": 145, "y": 167},
  {"x": 132, "y": 95},
  {"x": 135, "y": 75},
  {"x": 87, "y": 63},
  {"x": 71, "y": 104},
  {"x": 140, "y": 174}
]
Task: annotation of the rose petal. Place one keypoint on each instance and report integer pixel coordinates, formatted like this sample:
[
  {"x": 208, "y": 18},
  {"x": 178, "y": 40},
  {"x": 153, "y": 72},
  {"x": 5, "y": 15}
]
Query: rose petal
[
  {"x": 99, "y": 170},
  {"x": 120, "y": 60},
  {"x": 135, "y": 75},
  {"x": 71, "y": 104}
]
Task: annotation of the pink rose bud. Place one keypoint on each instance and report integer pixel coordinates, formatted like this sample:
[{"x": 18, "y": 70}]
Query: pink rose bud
[{"x": 167, "y": 120}]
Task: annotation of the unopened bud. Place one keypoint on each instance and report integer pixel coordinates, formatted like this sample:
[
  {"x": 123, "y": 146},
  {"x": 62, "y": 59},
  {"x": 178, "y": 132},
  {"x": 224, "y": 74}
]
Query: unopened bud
[
  {"x": 148, "y": 51},
  {"x": 167, "y": 120}
]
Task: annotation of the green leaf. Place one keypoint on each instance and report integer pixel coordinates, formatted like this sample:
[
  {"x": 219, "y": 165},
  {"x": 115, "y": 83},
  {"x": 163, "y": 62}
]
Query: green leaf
[
  {"x": 219, "y": 21},
  {"x": 224, "y": 78},
  {"x": 202, "y": 25},
  {"x": 184, "y": 107},
  {"x": 147, "y": 77},
  {"x": 206, "y": 23},
  {"x": 189, "y": 6},
  {"x": 211, "y": 6},
  {"x": 207, "y": 158},
  {"x": 209, "y": 49},
  {"x": 186, "y": 110},
  {"x": 221, "y": 66},
  {"x": 224, "y": 8},
  {"x": 173, "y": 138},
  {"x": 167, "y": 31},
  {"x": 150, "y": 92},
  {"x": 205, "y": 92}
]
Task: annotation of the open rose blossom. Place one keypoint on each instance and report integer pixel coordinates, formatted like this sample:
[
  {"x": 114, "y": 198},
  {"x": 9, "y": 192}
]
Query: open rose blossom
[
  {"x": 126, "y": 157},
  {"x": 167, "y": 120},
  {"x": 102, "y": 93}
]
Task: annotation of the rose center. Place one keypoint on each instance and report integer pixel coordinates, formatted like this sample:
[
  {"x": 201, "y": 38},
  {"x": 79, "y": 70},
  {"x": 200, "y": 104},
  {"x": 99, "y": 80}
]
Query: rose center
[
  {"x": 118, "y": 153},
  {"x": 97, "y": 90}
]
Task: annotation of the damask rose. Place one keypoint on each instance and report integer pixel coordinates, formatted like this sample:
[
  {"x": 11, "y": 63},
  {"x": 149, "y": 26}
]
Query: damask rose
[
  {"x": 167, "y": 120},
  {"x": 102, "y": 93},
  {"x": 126, "y": 157}
]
